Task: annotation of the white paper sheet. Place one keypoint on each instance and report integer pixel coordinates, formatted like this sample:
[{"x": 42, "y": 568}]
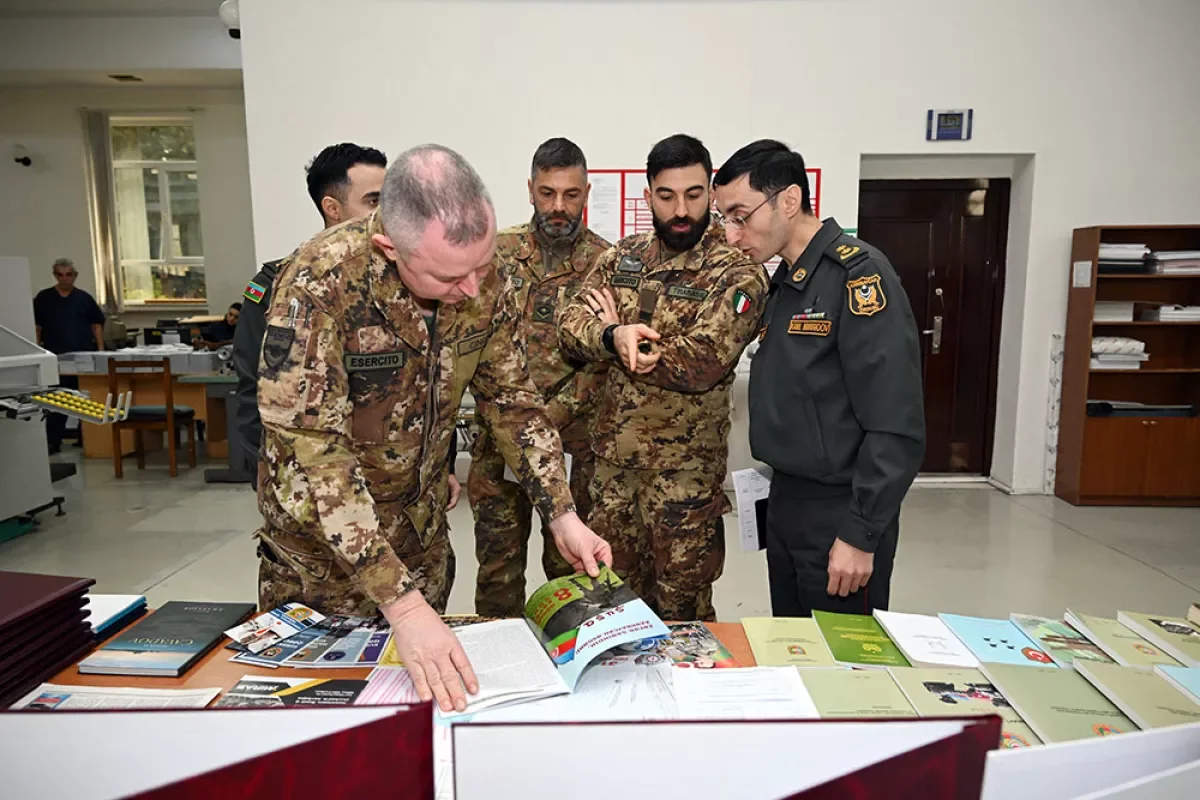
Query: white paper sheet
[
  {"x": 749, "y": 487},
  {"x": 509, "y": 662},
  {"x": 52, "y": 697},
  {"x": 748, "y": 693}
]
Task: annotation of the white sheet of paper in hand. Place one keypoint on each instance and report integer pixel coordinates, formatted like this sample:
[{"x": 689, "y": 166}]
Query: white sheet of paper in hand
[
  {"x": 749, "y": 487},
  {"x": 747, "y": 693},
  {"x": 511, "y": 476}
]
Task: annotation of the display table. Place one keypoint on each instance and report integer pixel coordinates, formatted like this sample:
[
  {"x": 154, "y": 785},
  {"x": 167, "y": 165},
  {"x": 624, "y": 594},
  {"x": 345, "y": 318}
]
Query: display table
[{"x": 216, "y": 671}]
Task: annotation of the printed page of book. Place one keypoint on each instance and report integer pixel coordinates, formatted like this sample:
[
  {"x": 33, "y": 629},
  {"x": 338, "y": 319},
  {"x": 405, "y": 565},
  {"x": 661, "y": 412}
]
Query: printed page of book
[{"x": 510, "y": 664}]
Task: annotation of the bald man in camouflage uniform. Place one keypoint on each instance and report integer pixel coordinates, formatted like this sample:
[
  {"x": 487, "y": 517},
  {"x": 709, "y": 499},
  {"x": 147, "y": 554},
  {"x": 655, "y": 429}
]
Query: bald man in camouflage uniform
[
  {"x": 376, "y": 328},
  {"x": 545, "y": 261},
  {"x": 688, "y": 305}
]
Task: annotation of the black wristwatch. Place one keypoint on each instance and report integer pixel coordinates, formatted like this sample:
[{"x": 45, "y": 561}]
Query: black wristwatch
[{"x": 606, "y": 339}]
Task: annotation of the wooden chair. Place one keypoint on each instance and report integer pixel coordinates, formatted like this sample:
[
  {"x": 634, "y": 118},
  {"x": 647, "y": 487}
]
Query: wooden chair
[{"x": 168, "y": 417}]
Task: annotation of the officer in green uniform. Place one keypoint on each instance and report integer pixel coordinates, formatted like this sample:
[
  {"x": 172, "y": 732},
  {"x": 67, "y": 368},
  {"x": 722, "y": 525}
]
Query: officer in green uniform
[
  {"x": 344, "y": 182},
  {"x": 836, "y": 406}
]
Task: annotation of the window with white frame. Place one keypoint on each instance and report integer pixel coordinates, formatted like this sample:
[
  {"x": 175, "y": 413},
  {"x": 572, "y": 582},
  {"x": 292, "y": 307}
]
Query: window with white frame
[{"x": 156, "y": 194}]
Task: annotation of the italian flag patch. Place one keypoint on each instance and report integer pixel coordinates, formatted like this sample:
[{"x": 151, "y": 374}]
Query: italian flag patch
[
  {"x": 254, "y": 292},
  {"x": 741, "y": 302}
]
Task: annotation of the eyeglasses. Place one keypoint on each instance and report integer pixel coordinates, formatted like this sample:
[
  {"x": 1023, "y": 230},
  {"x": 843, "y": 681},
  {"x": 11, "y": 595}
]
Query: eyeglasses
[{"x": 738, "y": 221}]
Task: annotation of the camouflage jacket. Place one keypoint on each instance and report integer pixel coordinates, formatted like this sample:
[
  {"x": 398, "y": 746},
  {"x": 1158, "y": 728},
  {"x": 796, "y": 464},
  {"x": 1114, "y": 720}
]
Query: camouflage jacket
[
  {"x": 358, "y": 404},
  {"x": 541, "y": 282},
  {"x": 706, "y": 304}
]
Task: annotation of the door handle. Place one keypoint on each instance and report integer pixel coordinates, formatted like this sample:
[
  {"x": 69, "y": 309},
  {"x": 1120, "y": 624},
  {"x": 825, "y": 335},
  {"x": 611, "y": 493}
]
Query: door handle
[{"x": 936, "y": 330}]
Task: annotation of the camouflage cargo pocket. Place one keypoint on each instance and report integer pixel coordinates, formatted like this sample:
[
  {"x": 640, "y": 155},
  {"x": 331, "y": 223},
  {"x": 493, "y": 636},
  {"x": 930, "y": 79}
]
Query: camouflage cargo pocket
[{"x": 311, "y": 560}]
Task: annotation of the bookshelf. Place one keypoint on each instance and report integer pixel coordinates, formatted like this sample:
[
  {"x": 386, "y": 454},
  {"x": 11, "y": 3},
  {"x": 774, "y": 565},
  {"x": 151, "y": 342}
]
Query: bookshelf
[{"x": 1122, "y": 460}]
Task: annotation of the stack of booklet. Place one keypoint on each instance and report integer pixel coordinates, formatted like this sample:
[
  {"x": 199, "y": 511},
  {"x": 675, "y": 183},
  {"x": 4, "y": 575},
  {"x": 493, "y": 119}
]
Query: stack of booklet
[
  {"x": 1121, "y": 259},
  {"x": 1176, "y": 262},
  {"x": 43, "y": 628},
  {"x": 1118, "y": 352}
]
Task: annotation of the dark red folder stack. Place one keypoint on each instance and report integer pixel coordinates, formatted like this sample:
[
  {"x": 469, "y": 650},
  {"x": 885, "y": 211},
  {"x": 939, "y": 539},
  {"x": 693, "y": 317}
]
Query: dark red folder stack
[{"x": 43, "y": 629}]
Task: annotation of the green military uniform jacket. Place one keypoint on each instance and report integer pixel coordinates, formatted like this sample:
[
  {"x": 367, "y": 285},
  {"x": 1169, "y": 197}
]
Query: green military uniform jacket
[
  {"x": 358, "y": 402},
  {"x": 705, "y": 303}
]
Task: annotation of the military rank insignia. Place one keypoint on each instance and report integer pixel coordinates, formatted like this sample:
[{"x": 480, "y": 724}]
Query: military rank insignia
[
  {"x": 254, "y": 293},
  {"x": 800, "y": 274},
  {"x": 866, "y": 296},
  {"x": 741, "y": 302}
]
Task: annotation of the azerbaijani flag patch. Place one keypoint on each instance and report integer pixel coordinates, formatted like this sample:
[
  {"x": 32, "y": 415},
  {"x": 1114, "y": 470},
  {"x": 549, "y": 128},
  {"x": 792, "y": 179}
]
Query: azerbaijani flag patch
[
  {"x": 254, "y": 292},
  {"x": 741, "y": 302}
]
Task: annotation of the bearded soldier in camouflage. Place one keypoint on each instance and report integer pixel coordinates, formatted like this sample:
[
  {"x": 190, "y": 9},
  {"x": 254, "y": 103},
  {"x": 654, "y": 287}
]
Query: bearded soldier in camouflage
[
  {"x": 544, "y": 262},
  {"x": 376, "y": 328},
  {"x": 687, "y": 305}
]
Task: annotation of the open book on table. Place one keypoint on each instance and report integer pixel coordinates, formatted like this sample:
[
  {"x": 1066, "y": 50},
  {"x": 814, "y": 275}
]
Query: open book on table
[{"x": 569, "y": 623}]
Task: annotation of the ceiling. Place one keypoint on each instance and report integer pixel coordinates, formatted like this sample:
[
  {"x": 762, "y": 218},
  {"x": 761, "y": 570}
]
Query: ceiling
[
  {"x": 108, "y": 8},
  {"x": 197, "y": 78}
]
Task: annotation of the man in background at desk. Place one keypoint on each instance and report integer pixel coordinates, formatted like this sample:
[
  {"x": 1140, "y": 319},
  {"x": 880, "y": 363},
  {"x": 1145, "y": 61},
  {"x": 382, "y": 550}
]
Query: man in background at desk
[
  {"x": 219, "y": 334},
  {"x": 67, "y": 321},
  {"x": 344, "y": 181}
]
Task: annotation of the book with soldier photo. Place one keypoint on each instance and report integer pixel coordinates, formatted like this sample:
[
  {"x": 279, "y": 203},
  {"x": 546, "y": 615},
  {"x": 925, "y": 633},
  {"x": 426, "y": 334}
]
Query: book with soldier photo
[
  {"x": 692, "y": 644},
  {"x": 569, "y": 623},
  {"x": 961, "y": 693}
]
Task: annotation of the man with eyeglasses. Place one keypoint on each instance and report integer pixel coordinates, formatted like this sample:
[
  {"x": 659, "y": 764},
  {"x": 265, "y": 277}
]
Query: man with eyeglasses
[
  {"x": 836, "y": 406},
  {"x": 687, "y": 305}
]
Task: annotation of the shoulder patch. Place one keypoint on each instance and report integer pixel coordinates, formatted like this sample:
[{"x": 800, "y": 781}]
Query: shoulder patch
[
  {"x": 866, "y": 295},
  {"x": 741, "y": 302},
  {"x": 254, "y": 292}
]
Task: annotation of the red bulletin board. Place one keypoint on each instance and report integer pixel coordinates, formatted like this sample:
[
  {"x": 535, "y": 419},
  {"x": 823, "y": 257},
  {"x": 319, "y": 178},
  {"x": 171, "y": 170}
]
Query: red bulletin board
[{"x": 616, "y": 208}]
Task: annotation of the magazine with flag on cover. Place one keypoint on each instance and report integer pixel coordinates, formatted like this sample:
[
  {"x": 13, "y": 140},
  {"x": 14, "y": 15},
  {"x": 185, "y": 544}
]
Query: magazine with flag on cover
[{"x": 569, "y": 623}]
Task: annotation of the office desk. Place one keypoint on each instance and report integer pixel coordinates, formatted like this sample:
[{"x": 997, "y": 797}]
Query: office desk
[
  {"x": 147, "y": 391},
  {"x": 216, "y": 671}
]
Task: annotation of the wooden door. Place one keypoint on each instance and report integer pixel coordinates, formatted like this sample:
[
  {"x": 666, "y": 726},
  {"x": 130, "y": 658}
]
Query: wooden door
[
  {"x": 1173, "y": 457},
  {"x": 1114, "y": 457},
  {"x": 946, "y": 239}
]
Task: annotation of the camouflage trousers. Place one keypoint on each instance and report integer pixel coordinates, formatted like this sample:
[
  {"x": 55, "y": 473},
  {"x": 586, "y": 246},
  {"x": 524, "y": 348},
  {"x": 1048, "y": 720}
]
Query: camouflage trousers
[
  {"x": 666, "y": 532},
  {"x": 292, "y": 568},
  {"x": 503, "y": 520}
]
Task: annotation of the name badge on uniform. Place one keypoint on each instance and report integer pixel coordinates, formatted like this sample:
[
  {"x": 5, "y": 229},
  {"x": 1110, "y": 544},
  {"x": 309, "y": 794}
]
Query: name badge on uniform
[
  {"x": 366, "y": 362},
  {"x": 472, "y": 343},
  {"x": 810, "y": 327},
  {"x": 687, "y": 293},
  {"x": 628, "y": 281},
  {"x": 629, "y": 264}
]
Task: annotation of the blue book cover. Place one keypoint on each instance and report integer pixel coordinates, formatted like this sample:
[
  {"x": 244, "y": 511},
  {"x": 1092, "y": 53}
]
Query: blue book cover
[
  {"x": 998, "y": 641},
  {"x": 1186, "y": 679},
  {"x": 168, "y": 641}
]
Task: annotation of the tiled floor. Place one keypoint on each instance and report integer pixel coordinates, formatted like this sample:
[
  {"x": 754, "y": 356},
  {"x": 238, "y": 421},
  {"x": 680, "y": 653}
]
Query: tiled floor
[{"x": 970, "y": 550}]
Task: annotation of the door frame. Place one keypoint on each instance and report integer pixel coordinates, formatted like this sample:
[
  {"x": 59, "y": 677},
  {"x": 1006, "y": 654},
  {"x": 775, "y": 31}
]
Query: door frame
[{"x": 999, "y": 240}]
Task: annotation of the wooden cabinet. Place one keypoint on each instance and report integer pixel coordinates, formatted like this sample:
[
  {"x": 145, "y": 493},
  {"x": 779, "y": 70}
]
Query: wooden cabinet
[
  {"x": 1118, "y": 460},
  {"x": 1133, "y": 457}
]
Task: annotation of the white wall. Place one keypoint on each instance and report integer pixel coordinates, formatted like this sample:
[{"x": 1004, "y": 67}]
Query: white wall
[
  {"x": 43, "y": 208},
  {"x": 1102, "y": 93}
]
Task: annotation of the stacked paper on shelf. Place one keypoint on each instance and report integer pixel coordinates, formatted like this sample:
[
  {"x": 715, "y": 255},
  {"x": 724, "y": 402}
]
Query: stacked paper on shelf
[
  {"x": 1114, "y": 311},
  {"x": 1118, "y": 352},
  {"x": 1123, "y": 258},
  {"x": 1176, "y": 262},
  {"x": 1168, "y": 313}
]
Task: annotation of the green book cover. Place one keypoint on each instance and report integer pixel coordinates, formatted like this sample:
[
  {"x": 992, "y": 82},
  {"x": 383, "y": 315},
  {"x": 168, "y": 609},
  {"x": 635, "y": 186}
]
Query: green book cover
[
  {"x": 1180, "y": 638},
  {"x": 1142, "y": 695},
  {"x": 1120, "y": 643},
  {"x": 787, "y": 642},
  {"x": 1059, "y": 704},
  {"x": 855, "y": 693},
  {"x": 858, "y": 640},
  {"x": 1063, "y": 643},
  {"x": 962, "y": 692}
]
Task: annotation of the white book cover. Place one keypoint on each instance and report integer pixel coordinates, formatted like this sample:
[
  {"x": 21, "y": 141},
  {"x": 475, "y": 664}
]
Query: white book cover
[{"x": 926, "y": 641}]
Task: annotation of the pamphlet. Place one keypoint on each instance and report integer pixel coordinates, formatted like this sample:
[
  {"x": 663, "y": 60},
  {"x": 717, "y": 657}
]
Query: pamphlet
[
  {"x": 940, "y": 692},
  {"x": 857, "y": 640},
  {"x": 256, "y": 691},
  {"x": 274, "y": 626},
  {"x": 1061, "y": 642},
  {"x": 692, "y": 644},
  {"x": 787, "y": 641},
  {"x": 336, "y": 641},
  {"x": 51, "y": 697}
]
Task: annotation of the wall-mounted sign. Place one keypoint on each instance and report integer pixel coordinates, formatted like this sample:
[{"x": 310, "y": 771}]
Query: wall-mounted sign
[{"x": 952, "y": 124}]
